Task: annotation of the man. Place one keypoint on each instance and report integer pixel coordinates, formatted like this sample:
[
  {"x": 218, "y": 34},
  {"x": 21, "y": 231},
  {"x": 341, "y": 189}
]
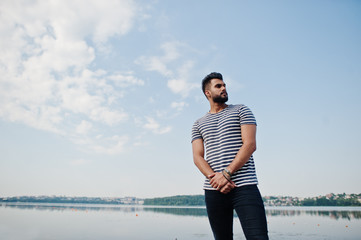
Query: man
[{"x": 227, "y": 133}]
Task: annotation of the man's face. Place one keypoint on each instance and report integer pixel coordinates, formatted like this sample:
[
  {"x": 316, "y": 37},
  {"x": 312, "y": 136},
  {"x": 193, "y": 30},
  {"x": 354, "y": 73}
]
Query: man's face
[{"x": 217, "y": 90}]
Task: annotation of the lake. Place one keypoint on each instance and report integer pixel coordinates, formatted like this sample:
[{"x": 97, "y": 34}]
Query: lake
[{"x": 74, "y": 221}]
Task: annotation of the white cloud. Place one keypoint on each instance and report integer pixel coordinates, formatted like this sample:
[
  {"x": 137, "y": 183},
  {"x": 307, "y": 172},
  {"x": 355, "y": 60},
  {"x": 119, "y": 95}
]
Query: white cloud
[
  {"x": 179, "y": 105},
  {"x": 123, "y": 80},
  {"x": 151, "y": 100},
  {"x": 171, "y": 51},
  {"x": 182, "y": 85},
  {"x": 155, "y": 127},
  {"x": 172, "y": 66},
  {"x": 154, "y": 64},
  {"x": 113, "y": 145},
  {"x": 159, "y": 63},
  {"x": 140, "y": 142},
  {"x": 178, "y": 86},
  {"x": 84, "y": 127},
  {"x": 47, "y": 51}
]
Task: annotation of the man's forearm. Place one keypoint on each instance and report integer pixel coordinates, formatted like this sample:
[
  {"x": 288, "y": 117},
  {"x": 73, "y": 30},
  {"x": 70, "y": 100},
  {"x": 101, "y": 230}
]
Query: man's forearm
[
  {"x": 242, "y": 157},
  {"x": 203, "y": 166}
]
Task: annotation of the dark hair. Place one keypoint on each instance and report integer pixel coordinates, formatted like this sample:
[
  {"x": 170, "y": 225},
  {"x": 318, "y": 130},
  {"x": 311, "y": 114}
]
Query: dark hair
[{"x": 208, "y": 78}]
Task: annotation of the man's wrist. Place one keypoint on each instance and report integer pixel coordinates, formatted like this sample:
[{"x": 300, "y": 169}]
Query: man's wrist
[
  {"x": 210, "y": 176},
  {"x": 228, "y": 172},
  {"x": 226, "y": 175}
]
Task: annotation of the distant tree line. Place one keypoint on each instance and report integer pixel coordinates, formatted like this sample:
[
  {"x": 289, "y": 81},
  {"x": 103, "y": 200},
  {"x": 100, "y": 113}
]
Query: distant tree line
[
  {"x": 334, "y": 200},
  {"x": 55, "y": 199},
  {"x": 183, "y": 200},
  {"x": 198, "y": 200}
]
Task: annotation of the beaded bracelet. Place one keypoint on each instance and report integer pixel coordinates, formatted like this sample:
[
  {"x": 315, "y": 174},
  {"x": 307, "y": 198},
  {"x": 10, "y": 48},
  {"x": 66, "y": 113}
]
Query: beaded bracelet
[
  {"x": 225, "y": 176},
  {"x": 228, "y": 172}
]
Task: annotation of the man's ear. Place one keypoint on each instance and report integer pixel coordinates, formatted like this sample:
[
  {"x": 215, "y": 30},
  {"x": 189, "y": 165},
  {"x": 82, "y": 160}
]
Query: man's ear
[{"x": 208, "y": 93}]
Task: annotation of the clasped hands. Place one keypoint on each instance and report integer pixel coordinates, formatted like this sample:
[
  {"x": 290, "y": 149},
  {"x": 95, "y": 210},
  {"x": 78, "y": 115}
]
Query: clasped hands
[{"x": 220, "y": 183}]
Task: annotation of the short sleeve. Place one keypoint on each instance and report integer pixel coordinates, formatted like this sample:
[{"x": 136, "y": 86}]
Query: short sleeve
[
  {"x": 195, "y": 131},
  {"x": 246, "y": 116}
]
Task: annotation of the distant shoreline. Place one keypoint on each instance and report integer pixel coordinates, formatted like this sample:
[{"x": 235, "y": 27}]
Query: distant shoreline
[
  {"x": 336, "y": 200},
  {"x": 109, "y": 205}
]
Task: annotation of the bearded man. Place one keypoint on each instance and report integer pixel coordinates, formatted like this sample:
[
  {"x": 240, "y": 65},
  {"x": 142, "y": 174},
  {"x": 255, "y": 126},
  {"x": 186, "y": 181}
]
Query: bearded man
[{"x": 227, "y": 133}]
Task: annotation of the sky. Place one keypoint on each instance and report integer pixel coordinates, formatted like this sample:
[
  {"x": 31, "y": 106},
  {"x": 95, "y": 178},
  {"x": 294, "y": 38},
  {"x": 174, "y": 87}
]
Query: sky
[{"x": 97, "y": 98}]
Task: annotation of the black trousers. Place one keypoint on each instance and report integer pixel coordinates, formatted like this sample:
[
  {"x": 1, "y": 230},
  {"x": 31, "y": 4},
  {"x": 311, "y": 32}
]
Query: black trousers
[{"x": 248, "y": 204}]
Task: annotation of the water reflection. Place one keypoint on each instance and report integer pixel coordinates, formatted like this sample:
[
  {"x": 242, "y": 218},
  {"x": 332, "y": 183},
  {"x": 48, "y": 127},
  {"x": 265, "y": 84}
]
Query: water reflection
[
  {"x": 333, "y": 213},
  {"x": 72, "y": 207},
  {"x": 195, "y": 212}
]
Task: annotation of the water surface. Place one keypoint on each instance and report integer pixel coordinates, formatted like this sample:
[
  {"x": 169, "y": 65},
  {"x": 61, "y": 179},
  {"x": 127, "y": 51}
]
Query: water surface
[{"x": 75, "y": 221}]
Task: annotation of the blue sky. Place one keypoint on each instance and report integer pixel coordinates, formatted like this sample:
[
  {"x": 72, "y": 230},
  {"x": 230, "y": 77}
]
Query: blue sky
[{"x": 97, "y": 98}]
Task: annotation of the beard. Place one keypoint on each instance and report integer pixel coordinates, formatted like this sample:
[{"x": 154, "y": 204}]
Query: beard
[{"x": 220, "y": 99}]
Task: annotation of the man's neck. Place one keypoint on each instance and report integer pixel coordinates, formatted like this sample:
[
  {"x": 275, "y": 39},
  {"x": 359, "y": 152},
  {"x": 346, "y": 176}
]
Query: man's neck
[{"x": 217, "y": 107}]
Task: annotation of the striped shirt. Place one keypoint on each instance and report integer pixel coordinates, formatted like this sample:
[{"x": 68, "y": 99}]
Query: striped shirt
[{"x": 221, "y": 134}]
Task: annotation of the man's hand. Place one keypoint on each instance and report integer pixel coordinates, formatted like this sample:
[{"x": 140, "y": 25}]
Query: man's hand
[
  {"x": 228, "y": 187},
  {"x": 220, "y": 183}
]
